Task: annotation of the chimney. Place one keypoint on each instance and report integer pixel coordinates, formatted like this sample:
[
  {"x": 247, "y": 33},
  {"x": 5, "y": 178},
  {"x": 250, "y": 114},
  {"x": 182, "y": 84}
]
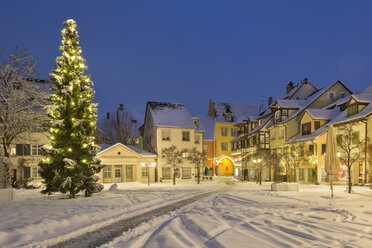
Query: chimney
[
  {"x": 121, "y": 106},
  {"x": 269, "y": 100},
  {"x": 289, "y": 87},
  {"x": 108, "y": 116}
]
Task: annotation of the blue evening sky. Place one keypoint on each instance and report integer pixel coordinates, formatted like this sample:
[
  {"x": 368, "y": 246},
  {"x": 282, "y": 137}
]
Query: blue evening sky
[{"x": 193, "y": 51}]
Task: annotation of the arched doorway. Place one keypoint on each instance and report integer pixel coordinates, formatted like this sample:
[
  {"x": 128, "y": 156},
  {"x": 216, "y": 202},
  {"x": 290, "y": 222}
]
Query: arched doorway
[{"x": 225, "y": 167}]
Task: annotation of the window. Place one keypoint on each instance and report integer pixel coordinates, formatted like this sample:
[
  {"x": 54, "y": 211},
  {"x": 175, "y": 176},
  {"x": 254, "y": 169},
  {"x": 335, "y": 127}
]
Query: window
[
  {"x": 342, "y": 94},
  {"x": 352, "y": 110},
  {"x": 224, "y": 146},
  {"x": 284, "y": 113},
  {"x": 273, "y": 135},
  {"x": 311, "y": 149},
  {"x": 166, "y": 172},
  {"x": 233, "y": 132},
  {"x": 324, "y": 149},
  {"x": 186, "y": 172},
  {"x": 145, "y": 171},
  {"x": 355, "y": 138},
  {"x": 22, "y": 150},
  {"x": 281, "y": 133},
  {"x": 306, "y": 128},
  {"x": 223, "y": 131},
  {"x": 26, "y": 172},
  {"x": 309, "y": 174},
  {"x": 107, "y": 171},
  {"x": 165, "y": 134},
  {"x": 278, "y": 117},
  {"x": 185, "y": 136},
  {"x": 34, "y": 172},
  {"x": 316, "y": 125},
  {"x": 331, "y": 95},
  {"x": 13, "y": 151},
  {"x": 36, "y": 150},
  {"x": 302, "y": 174},
  {"x": 205, "y": 148},
  {"x": 197, "y": 139}
]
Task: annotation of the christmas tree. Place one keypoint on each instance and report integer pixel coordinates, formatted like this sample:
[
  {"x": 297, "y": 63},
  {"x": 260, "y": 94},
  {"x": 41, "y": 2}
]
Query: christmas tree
[{"x": 70, "y": 162}]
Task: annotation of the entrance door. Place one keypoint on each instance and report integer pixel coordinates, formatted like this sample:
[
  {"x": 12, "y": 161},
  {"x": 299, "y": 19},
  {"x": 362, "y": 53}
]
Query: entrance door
[
  {"x": 117, "y": 174},
  {"x": 129, "y": 173}
]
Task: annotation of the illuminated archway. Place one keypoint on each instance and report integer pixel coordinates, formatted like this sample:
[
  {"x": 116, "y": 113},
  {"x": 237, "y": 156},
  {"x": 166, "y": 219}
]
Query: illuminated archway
[{"x": 225, "y": 167}]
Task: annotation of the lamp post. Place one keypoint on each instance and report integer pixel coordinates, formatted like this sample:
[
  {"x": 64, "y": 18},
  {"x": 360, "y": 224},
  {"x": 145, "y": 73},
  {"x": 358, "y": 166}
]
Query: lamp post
[
  {"x": 153, "y": 164},
  {"x": 258, "y": 162}
]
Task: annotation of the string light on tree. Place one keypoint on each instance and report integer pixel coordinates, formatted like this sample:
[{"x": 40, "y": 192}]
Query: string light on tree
[{"x": 70, "y": 164}]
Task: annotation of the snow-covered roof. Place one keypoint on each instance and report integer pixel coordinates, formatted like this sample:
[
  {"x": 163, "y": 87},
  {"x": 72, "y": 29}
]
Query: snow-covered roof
[
  {"x": 291, "y": 103},
  {"x": 168, "y": 114},
  {"x": 321, "y": 114},
  {"x": 137, "y": 150},
  {"x": 223, "y": 110},
  {"x": 366, "y": 111},
  {"x": 141, "y": 152},
  {"x": 208, "y": 126},
  {"x": 311, "y": 99}
]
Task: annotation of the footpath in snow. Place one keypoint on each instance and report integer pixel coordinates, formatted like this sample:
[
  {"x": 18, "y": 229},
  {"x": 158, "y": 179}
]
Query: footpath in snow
[
  {"x": 36, "y": 220},
  {"x": 249, "y": 215}
]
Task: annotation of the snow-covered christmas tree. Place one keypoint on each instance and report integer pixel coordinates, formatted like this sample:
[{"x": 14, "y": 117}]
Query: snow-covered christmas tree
[{"x": 70, "y": 163}]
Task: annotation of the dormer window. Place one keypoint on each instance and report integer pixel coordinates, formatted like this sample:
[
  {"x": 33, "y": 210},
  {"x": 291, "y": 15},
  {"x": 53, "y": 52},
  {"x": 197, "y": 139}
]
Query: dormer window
[
  {"x": 306, "y": 128},
  {"x": 352, "y": 110},
  {"x": 228, "y": 117}
]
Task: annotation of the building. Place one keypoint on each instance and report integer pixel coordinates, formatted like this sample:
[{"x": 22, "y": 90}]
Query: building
[
  {"x": 168, "y": 124},
  {"x": 225, "y": 116},
  {"x": 126, "y": 163},
  {"x": 287, "y": 114}
]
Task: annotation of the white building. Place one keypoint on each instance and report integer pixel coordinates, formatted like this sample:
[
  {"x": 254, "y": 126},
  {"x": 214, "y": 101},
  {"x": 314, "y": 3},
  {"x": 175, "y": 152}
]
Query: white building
[{"x": 168, "y": 124}]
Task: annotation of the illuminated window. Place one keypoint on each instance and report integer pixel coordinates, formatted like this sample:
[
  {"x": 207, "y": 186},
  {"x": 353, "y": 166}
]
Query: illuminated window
[{"x": 352, "y": 110}]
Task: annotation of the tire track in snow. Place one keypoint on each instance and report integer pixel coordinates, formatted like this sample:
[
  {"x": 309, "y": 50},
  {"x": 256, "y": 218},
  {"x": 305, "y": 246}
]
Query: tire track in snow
[{"x": 105, "y": 234}]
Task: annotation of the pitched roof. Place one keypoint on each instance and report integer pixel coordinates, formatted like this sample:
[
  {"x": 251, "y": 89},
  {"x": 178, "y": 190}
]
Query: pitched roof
[
  {"x": 291, "y": 103},
  {"x": 137, "y": 150},
  {"x": 312, "y": 99},
  {"x": 208, "y": 126},
  {"x": 236, "y": 110},
  {"x": 167, "y": 114},
  {"x": 320, "y": 114}
]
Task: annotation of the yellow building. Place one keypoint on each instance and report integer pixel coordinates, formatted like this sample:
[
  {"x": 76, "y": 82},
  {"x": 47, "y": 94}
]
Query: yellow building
[
  {"x": 225, "y": 116},
  {"x": 288, "y": 113}
]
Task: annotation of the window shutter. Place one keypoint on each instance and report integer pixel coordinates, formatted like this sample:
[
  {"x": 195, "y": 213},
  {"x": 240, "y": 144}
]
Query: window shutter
[
  {"x": 19, "y": 149},
  {"x": 26, "y": 172}
]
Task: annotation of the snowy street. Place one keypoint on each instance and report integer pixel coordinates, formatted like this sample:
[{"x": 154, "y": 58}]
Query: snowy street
[
  {"x": 240, "y": 216},
  {"x": 248, "y": 215}
]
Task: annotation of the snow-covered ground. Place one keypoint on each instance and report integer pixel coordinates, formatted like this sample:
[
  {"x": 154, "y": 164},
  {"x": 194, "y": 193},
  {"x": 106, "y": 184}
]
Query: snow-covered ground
[
  {"x": 38, "y": 220},
  {"x": 249, "y": 215}
]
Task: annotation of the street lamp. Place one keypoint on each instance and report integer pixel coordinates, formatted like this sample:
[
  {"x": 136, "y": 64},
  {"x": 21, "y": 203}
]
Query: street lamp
[
  {"x": 258, "y": 162},
  {"x": 153, "y": 164}
]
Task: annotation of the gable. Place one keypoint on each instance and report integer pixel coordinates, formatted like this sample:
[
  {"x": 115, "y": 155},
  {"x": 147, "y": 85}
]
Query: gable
[{"x": 118, "y": 150}]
